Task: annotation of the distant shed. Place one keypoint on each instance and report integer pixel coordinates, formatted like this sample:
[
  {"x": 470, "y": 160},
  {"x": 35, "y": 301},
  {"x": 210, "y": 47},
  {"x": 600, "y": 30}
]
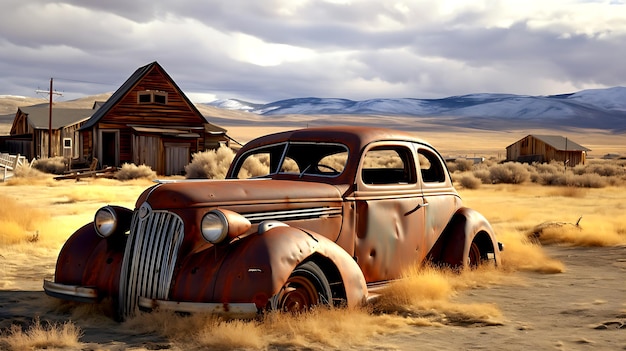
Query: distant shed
[{"x": 546, "y": 148}]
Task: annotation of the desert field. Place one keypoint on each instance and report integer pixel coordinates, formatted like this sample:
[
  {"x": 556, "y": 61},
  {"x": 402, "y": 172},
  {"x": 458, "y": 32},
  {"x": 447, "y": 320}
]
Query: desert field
[{"x": 564, "y": 292}]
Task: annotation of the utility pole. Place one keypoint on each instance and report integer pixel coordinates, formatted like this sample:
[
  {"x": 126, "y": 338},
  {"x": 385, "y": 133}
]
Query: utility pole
[{"x": 50, "y": 93}]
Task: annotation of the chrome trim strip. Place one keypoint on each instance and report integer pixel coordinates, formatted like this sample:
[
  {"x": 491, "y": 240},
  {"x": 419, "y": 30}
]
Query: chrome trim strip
[
  {"x": 75, "y": 291},
  {"x": 240, "y": 310},
  {"x": 293, "y": 214}
]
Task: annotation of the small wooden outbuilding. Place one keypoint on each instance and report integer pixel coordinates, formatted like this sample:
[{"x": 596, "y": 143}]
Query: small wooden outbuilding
[
  {"x": 150, "y": 121},
  {"x": 546, "y": 148},
  {"x": 29, "y": 135}
]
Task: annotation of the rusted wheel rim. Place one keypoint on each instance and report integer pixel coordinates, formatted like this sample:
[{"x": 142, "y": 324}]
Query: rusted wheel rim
[
  {"x": 474, "y": 255},
  {"x": 298, "y": 294}
]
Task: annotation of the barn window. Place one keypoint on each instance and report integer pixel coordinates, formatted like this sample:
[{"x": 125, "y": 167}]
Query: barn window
[{"x": 152, "y": 97}]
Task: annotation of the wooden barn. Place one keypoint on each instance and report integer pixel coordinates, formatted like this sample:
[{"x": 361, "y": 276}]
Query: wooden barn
[
  {"x": 29, "y": 135},
  {"x": 546, "y": 148},
  {"x": 150, "y": 121}
]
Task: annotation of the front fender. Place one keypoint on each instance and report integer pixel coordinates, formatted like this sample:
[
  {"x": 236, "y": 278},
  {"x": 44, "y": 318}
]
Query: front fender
[
  {"x": 88, "y": 260},
  {"x": 254, "y": 268},
  {"x": 452, "y": 247}
]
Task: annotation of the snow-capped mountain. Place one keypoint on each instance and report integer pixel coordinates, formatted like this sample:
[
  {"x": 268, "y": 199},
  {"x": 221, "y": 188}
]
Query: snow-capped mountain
[{"x": 593, "y": 108}]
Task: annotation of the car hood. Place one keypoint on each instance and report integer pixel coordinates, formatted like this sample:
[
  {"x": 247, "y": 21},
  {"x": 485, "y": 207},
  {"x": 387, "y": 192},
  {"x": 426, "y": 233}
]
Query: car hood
[{"x": 234, "y": 192}]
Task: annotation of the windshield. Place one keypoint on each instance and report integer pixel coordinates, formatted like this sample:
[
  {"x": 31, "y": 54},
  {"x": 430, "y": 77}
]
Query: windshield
[{"x": 301, "y": 158}]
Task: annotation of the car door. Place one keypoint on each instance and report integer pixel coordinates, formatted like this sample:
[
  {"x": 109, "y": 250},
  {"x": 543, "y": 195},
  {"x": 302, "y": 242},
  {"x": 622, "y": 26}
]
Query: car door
[
  {"x": 389, "y": 211},
  {"x": 440, "y": 198}
]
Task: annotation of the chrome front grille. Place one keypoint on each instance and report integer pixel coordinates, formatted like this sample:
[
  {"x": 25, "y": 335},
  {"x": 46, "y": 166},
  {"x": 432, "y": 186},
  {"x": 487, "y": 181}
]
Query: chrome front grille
[{"x": 150, "y": 257}]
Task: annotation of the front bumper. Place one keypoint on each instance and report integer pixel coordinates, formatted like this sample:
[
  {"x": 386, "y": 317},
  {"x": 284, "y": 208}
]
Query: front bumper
[
  {"x": 233, "y": 310},
  {"x": 90, "y": 295},
  {"x": 70, "y": 292}
]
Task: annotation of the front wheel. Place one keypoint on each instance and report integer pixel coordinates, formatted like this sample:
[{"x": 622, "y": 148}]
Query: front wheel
[{"x": 306, "y": 287}]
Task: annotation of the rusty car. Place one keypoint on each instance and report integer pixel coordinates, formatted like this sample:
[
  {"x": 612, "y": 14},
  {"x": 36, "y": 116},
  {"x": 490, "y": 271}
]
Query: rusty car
[{"x": 314, "y": 216}]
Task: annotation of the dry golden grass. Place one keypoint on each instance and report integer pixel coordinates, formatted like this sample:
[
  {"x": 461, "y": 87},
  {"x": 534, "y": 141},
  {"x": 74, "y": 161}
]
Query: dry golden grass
[
  {"x": 19, "y": 223},
  {"x": 425, "y": 293},
  {"x": 321, "y": 328},
  {"x": 42, "y": 336}
]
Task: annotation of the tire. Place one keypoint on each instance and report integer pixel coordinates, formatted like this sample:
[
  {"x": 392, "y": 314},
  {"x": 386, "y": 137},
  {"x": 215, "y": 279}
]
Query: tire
[{"x": 305, "y": 288}]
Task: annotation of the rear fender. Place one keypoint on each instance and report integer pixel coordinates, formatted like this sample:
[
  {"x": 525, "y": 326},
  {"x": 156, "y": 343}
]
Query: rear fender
[
  {"x": 452, "y": 247},
  {"x": 255, "y": 268}
]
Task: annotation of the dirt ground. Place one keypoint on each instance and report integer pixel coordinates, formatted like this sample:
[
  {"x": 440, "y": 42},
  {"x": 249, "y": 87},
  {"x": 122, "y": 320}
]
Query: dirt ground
[{"x": 583, "y": 308}]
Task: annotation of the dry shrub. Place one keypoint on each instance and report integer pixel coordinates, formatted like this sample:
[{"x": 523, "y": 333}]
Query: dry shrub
[
  {"x": 460, "y": 165},
  {"x": 509, "y": 173},
  {"x": 53, "y": 165},
  {"x": 588, "y": 180},
  {"x": 605, "y": 169},
  {"x": 483, "y": 174},
  {"x": 594, "y": 234},
  {"x": 469, "y": 181},
  {"x": 548, "y": 168},
  {"x": 210, "y": 164},
  {"x": 257, "y": 165},
  {"x": 131, "y": 171},
  {"x": 555, "y": 179},
  {"x": 384, "y": 159},
  {"x": 18, "y": 223},
  {"x": 336, "y": 161},
  {"x": 42, "y": 336}
]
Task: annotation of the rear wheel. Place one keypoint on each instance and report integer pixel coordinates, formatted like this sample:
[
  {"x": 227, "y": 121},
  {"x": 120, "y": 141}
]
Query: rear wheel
[{"x": 306, "y": 287}]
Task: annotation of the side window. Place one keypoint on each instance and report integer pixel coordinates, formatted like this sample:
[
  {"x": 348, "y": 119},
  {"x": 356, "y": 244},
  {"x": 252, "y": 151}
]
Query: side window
[
  {"x": 430, "y": 166},
  {"x": 388, "y": 165}
]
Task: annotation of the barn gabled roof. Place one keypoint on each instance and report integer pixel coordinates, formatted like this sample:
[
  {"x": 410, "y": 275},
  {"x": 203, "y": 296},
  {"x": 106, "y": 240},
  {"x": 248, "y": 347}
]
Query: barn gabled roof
[
  {"x": 558, "y": 142},
  {"x": 39, "y": 116},
  {"x": 128, "y": 85}
]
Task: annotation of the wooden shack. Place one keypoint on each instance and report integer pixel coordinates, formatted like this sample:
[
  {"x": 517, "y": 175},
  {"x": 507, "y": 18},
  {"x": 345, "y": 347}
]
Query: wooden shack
[
  {"x": 546, "y": 148},
  {"x": 150, "y": 121},
  {"x": 29, "y": 135}
]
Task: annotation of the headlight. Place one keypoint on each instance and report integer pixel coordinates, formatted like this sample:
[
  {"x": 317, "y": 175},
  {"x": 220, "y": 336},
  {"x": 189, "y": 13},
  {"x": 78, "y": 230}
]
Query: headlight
[
  {"x": 112, "y": 219},
  {"x": 214, "y": 227},
  {"x": 217, "y": 225},
  {"x": 105, "y": 221}
]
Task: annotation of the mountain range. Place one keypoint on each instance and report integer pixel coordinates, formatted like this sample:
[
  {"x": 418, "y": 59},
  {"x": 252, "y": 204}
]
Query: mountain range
[
  {"x": 592, "y": 108},
  {"x": 601, "y": 109}
]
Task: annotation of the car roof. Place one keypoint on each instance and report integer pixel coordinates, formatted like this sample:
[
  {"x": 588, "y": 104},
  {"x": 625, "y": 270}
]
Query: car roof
[{"x": 355, "y": 137}]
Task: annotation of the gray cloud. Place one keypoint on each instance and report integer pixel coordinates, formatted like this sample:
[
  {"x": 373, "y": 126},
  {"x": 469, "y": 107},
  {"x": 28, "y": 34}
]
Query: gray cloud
[{"x": 270, "y": 50}]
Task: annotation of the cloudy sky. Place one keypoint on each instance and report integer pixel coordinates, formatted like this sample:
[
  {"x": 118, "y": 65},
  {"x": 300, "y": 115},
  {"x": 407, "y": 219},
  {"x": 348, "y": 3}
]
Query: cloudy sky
[{"x": 268, "y": 50}]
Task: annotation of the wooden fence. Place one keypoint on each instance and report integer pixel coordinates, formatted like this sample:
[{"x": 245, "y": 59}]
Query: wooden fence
[{"x": 8, "y": 164}]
